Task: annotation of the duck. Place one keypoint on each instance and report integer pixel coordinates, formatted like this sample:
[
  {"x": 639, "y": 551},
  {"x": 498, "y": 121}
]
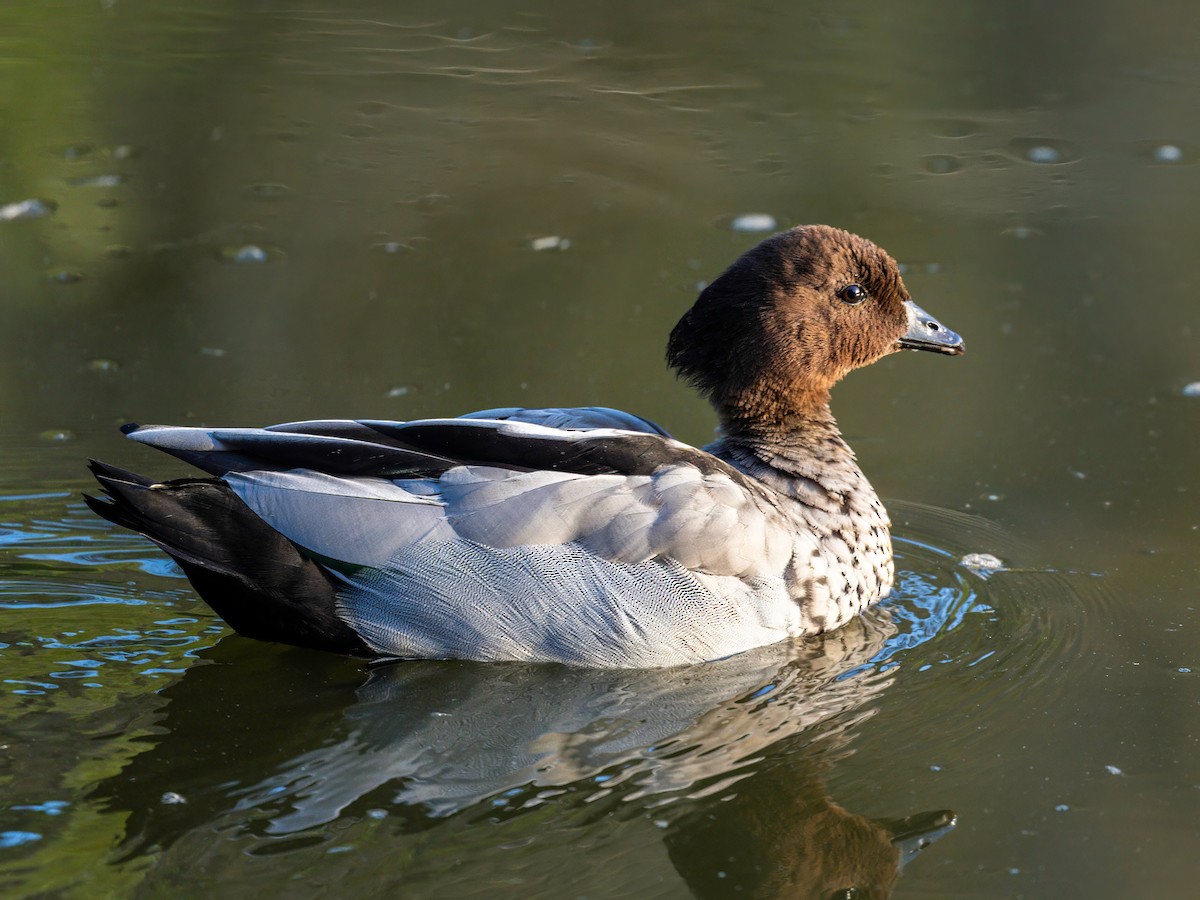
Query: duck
[{"x": 580, "y": 536}]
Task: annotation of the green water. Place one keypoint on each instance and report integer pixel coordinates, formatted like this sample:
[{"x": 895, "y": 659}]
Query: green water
[{"x": 265, "y": 212}]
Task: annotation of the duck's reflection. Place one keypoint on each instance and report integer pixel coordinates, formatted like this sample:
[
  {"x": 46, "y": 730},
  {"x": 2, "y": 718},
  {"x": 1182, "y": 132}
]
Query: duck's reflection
[
  {"x": 769, "y": 841},
  {"x": 450, "y": 735},
  {"x": 742, "y": 741}
]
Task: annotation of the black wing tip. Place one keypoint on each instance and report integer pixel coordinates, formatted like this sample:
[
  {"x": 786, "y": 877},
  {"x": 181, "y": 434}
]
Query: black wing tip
[
  {"x": 130, "y": 428},
  {"x": 96, "y": 504},
  {"x": 111, "y": 509},
  {"x": 106, "y": 472}
]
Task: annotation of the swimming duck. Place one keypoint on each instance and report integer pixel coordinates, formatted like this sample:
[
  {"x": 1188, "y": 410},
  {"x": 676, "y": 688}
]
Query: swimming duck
[{"x": 583, "y": 536}]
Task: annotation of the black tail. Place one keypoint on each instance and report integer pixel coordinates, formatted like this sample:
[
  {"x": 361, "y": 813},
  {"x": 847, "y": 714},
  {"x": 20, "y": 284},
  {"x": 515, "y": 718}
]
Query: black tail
[{"x": 251, "y": 575}]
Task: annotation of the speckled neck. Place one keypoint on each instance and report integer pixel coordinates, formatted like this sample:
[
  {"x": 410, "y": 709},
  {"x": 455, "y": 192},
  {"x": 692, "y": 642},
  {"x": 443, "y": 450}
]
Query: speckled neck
[
  {"x": 808, "y": 460},
  {"x": 811, "y": 471}
]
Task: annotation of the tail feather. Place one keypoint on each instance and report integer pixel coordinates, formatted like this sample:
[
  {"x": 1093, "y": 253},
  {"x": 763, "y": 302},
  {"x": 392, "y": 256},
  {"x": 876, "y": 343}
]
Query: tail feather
[{"x": 252, "y": 576}]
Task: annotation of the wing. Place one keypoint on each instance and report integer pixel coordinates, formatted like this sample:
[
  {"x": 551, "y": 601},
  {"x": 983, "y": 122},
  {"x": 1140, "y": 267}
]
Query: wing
[
  {"x": 490, "y": 563},
  {"x": 577, "y": 418},
  {"x": 356, "y": 491},
  {"x": 706, "y": 523},
  {"x": 588, "y": 441},
  {"x": 501, "y": 537}
]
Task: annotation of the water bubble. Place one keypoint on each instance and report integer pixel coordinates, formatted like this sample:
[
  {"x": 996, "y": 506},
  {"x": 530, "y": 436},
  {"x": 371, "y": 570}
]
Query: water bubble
[
  {"x": 550, "y": 242},
  {"x": 752, "y": 222},
  {"x": 64, "y": 276},
  {"x": 104, "y": 366},
  {"x": 1062, "y": 807},
  {"x": 57, "y": 435},
  {"x": 173, "y": 799},
  {"x": 124, "y": 151},
  {"x": 250, "y": 253},
  {"x": 982, "y": 564},
  {"x": 270, "y": 190},
  {"x": 1044, "y": 151},
  {"x": 391, "y": 248},
  {"x": 401, "y": 390},
  {"x": 1022, "y": 232},
  {"x": 33, "y": 208},
  {"x": 377, "y": 813},
  {"x": 98, "y": 181},
  {"x": 1113, "y": 770},
  {"x": 942, "y": 164},
  {"x": 1168, "y": 153},
  {"x": 217, "y": 352},
  {"x": 244, "y": 254},
  {"x": 1191, "y": 390}
]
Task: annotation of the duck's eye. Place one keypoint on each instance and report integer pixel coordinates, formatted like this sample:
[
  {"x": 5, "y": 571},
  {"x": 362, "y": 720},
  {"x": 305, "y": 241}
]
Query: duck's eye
[{"x": 853, "y": 294}]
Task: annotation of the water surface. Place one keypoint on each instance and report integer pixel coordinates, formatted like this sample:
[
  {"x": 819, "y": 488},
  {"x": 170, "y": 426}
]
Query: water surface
[{"x": 214, "y": 214}]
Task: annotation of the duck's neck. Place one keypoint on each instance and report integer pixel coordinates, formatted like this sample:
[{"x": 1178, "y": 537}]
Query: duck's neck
[{"x": 803, "y": 457}]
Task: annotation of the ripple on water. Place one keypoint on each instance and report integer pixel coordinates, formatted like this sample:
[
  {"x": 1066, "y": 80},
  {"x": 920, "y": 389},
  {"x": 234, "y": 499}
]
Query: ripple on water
[
  {"x": 1016, "y": 628},
  {"x": 76, "y": 542},
  {"x": 79, "y": 622},
  {"x": 954, "y": 128}
]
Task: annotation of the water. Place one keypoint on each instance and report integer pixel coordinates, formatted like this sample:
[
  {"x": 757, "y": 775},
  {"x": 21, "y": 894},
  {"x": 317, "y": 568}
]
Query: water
[{"x": 215, "y": 215}]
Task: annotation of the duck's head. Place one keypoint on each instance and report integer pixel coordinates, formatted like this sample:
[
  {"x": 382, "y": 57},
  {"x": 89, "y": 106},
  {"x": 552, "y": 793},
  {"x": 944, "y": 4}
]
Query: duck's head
[{"x": 767, "y": 339}]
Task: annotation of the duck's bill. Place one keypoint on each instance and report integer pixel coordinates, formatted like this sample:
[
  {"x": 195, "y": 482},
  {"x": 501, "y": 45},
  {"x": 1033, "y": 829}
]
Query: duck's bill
[
  {"x": 927, "y": 333},
  {"x": 913, "y": 834}
]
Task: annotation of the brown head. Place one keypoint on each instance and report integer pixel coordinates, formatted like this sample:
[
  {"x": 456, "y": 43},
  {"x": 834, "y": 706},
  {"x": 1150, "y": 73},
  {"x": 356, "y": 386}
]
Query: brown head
[{"x": 767, "y": 339}]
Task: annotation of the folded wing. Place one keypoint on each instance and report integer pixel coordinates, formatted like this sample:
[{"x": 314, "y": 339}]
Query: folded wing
[{"x": 501, "y": 536}]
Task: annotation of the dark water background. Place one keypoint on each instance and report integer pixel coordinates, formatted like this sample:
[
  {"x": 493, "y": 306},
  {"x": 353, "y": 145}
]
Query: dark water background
[{"x": 258, "y": 212}]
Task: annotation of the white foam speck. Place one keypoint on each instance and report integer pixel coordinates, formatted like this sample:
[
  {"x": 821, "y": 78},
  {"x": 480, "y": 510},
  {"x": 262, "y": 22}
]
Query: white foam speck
[
  {"x": 754, "y": 222},
  {"x": 1167, "y": 153},
  {"x": 981, "y": 563}
]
